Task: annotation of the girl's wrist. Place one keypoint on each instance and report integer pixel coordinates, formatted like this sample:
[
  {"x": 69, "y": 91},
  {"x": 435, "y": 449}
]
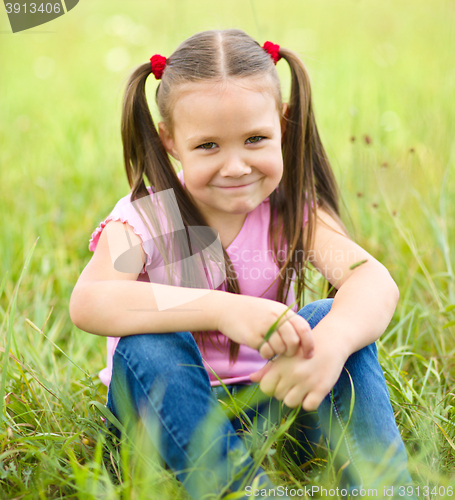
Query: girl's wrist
[
  {"x": 220, "y": 302},
  {"x": 338, "y": 333}
]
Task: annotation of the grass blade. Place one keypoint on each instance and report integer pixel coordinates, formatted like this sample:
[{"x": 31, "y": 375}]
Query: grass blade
[{"x": 10, "y": 327}]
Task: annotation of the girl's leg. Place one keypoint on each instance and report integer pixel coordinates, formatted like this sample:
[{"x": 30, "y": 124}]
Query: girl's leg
[
  {"x": 269, "y": 412},
  {"x": 365, "y": 436},
  {"x": 160, "y": 379}
]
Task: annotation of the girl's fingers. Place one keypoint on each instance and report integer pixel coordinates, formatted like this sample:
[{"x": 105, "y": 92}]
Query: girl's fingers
[
  {"x": 295, "y": 397},
  {"x": 303, "y": 330},
  {"x": 257, "y": 376},
  {"x": 283, "y": 387},
  {"x": 312, "y": 401},
  {"x": 276, "y": 344},
  {"x": 266, "y": 351},
  {"x": 290, "y": 338},
  {"x": 292, "y": 332},
  {"x": 269, "y": 382}
]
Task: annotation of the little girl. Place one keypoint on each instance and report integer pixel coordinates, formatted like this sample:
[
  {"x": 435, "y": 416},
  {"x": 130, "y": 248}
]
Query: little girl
[{"x": 189, "y": 274}]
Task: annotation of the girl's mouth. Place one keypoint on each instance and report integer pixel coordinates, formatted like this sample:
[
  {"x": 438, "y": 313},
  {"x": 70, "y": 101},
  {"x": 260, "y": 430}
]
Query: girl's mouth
[{"x": 235, "y": 187}]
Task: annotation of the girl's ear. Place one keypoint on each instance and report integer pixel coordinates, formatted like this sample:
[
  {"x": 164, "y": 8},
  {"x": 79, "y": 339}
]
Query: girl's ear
[
  {"x": 167, "y": 140},
  {"x": 284, "y": 117}
]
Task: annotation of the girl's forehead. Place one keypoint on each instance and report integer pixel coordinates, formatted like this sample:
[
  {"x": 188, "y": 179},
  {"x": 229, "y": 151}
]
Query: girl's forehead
[
  {"x": 226, "y": 109},
  {"x": 220, "y": 88}
]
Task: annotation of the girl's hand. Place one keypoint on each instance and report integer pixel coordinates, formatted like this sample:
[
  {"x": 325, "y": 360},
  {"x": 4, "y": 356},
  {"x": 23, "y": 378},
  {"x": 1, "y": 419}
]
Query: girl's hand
[
  {"x": 298, "y": 381},
  {"x": 246, "y": 320}
]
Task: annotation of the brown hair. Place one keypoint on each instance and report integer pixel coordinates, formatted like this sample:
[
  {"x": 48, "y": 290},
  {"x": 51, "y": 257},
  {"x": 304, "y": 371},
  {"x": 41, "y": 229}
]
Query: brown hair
[{"x": 307, "y": 175}]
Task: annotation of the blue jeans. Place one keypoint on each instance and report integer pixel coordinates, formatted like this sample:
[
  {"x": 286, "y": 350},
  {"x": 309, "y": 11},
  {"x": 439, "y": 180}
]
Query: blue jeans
[{"x": 160, "y": 379}]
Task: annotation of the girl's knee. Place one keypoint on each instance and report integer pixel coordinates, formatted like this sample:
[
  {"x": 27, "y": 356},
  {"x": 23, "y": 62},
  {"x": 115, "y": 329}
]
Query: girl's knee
[
  {"x": 365, "y": 358},
  {"x": 164, "y": 354},
  {"x": 151, "y": 347},
  {"x": 315, "y": 311}
]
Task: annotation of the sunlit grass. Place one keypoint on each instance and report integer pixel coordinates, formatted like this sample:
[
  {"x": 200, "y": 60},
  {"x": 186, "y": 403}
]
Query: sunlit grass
[{"x": 383, "y": 83}]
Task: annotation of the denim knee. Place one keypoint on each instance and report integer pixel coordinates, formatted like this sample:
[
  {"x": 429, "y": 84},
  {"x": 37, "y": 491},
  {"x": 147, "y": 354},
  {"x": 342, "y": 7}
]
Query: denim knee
[
  {"x": 315, "y": 311},
  {"x": 171, "y": 363},
  {"x": 163, "y": 355}
]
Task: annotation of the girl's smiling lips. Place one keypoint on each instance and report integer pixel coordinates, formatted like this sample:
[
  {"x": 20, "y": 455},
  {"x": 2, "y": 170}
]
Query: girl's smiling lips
[{"x": 236, "y": 187}]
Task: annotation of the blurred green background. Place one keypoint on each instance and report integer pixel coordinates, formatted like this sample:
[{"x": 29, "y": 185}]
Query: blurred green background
[{"x": 383, "y": 79}]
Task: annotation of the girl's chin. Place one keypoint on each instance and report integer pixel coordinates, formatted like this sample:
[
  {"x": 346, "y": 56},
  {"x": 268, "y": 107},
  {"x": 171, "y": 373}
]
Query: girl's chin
[
  {"x": 231, "y": 211},
  {"x": 242, "y": 206},
  {"x": 242, "y": 209}
]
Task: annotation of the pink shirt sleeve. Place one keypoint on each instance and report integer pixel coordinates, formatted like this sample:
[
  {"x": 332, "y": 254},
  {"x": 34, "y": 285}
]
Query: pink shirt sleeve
[{"x": 124, "y": 211}]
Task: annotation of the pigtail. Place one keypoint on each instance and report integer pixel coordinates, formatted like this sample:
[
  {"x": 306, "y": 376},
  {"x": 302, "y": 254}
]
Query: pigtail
[
  {"x": 143, "y": 151},
  {"x": 307, "y": 178},
  {"x": 145, "y": 155}
]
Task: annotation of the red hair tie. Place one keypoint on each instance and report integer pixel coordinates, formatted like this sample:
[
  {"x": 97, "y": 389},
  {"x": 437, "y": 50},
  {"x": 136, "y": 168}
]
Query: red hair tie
[
  {"x": 158, "y": 63},
  {"x": 273, "y": 50}
]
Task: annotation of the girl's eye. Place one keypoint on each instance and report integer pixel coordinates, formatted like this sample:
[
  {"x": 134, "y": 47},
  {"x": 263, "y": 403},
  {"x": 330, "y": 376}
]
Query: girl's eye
[
  {"x": 207, "y": 145},
  {"x": 255, "y": 139},
  {"x": 251, "y": 140}
]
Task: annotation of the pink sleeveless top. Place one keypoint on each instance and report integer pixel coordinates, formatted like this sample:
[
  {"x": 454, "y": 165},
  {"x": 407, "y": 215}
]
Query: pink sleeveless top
[{"x": 252, "y": 260}]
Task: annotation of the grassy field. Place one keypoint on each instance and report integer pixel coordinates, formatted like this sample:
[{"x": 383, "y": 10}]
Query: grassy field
[{"x": 383, "y": 78}]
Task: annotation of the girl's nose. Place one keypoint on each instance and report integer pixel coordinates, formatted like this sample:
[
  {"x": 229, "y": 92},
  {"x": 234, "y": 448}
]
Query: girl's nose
[{"x": 235, "y": 166}]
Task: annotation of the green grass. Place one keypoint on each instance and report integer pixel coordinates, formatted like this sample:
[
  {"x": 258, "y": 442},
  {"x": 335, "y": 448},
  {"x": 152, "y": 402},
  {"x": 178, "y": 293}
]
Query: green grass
[{"x": 379, "y": 69}]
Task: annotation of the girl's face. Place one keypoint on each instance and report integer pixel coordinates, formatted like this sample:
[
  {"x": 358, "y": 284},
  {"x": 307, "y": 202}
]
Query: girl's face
[{"x": 227, "y": 137}]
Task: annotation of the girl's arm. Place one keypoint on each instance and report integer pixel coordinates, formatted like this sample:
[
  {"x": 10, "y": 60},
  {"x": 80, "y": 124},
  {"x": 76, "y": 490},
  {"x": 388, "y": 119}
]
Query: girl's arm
[
  {"x": 108, "y": 302},
  {"x": 367, "y": 295},
  {"x": 361, "y": 311}
]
